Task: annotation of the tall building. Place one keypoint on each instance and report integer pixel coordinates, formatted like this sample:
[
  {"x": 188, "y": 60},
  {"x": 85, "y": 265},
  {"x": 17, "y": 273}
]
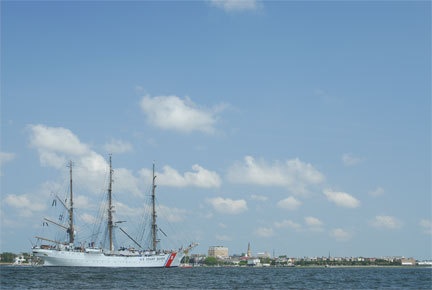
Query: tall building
[
  {"x": 249, "y": 254},
  {"x": 218, "y": 252}
]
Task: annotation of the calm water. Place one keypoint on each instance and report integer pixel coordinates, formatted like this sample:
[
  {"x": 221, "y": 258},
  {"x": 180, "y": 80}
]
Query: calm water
[{"x": 216, "y": 278}]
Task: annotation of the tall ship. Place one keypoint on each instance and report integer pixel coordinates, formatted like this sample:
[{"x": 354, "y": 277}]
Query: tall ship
[{"x": 69, "y": 253}]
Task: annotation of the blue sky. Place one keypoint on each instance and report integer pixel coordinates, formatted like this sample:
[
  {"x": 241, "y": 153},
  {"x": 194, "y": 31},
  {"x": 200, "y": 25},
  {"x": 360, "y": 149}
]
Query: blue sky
[{"x": 301, "y": 127}]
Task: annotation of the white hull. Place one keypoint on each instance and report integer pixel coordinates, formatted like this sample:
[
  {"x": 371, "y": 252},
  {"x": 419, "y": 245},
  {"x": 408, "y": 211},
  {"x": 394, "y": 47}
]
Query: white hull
[{"x": 65, "y": 258}]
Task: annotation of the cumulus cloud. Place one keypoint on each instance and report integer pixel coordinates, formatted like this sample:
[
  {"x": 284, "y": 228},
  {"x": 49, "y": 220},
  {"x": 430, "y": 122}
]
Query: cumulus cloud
[
  {"x": 340, "y": 235},
  {"x": 287, "y": 224},
  {"x": 426, "y": 225},
  {"x": 350, "y": 160},
  {"x": 264, "y": 232},
  {"x": 172, "y": 214},
  {"x": 342, "y": 198},
  {"x": 57, "y": 145},
  {"x": 289, "y": 203},
  {"x": 200, "y": 177},
  {"x": 386, "y": 222},
  {"x": 235, "y": 5},
  {"x": 293, "y": 174},
  {"x": 56, "y": 140},
  {"x": 25, "y": 204},
  {"x": 117, "y": 146},
  {"x": 174, "y": 113},
  {"x": 227, "y": 205},
  {"x": 313, "y": 222},
  {"x": 377, "y": 191}
]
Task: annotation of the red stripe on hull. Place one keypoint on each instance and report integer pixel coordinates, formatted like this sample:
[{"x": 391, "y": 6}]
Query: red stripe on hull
[{"x": 170, "y": 260}]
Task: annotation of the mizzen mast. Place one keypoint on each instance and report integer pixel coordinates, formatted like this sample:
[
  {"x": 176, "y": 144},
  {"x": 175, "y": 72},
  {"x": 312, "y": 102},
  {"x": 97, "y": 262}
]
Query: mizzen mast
[{"x": 154, "y": 226}]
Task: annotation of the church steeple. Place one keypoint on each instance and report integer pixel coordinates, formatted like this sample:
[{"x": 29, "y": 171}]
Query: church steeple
[{"x": 249, "y": 251}]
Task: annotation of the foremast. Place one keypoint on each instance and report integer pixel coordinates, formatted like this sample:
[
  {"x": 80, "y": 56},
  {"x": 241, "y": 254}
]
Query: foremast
[{"x": 110, "y": 208}]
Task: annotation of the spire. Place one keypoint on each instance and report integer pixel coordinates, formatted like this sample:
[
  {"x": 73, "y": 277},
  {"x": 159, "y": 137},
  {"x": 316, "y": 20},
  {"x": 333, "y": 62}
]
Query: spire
[{"x": 249, "y": 251}]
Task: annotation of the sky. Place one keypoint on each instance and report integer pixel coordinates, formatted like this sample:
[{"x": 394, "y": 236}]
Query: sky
[{"x": 300, "y": 127}]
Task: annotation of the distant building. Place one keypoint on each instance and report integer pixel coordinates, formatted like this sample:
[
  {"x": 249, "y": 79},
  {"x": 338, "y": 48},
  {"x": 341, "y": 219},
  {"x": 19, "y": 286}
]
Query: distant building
[
  {"x": 408, "y": 262},
  {"x": 263, "y": 255},
  {"x": 253, "y": 262},
  {"x": 218, "y": 252},
  {"x": 249, "y": 251}
]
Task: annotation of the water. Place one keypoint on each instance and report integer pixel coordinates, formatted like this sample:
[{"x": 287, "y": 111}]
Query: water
[{"x": 215, "y": 278}]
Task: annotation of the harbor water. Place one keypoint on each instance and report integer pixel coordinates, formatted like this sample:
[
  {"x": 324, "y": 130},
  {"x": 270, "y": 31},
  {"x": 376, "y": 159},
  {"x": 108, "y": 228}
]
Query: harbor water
[{"x": 27, "y": 277}]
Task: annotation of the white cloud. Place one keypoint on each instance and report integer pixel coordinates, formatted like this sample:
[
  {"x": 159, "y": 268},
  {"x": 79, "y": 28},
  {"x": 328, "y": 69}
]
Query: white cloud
[
  {"x": 25, "y": 204},
  {"x": 126, "y": 181},
  {"x": 172, "y": 214},
  {"x": 313, "y": 222},
  {"x": 88, "y": 218},
  {"x": 227, "y": 205},
  {"x": 264, "y": 232},
  {"x": 426, "y": 226},
  {"x": 350, "y": 160},
  {"x": 340, "y": 235},
  {"x": 201, "y": 177},
  {"x": 124, "y": 211},
  {"x": 258, "y": 197},
  {"x": 289, "y": 203},
  {"x": 287, "y": 224},
  {"x": 377, "y": 192},
  {"x": 5, "y": 157},
  {"x": 118, "y": 146},
  {"x": 56, "y": 139},
  {"x": 222, "y": 225},
  {"x": 386, "y": 222},
  {"x": 174, "y": 113},
  {"x": 342, "y": 198},
  {"x": 57, "y": 145},
  {"x": 235, "y": 5},
  {"x": 83, "y": 202},
  {"x": 293, "y": 174}
]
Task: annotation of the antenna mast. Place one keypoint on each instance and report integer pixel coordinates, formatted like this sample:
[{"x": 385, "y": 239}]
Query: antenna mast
[{"x": 110, "y": 208}]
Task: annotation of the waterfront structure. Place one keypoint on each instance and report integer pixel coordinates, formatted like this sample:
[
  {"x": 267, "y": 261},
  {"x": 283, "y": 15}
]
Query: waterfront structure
[
  {"x": 218, "y": 252},
  {"x": 408, "y": 262}
]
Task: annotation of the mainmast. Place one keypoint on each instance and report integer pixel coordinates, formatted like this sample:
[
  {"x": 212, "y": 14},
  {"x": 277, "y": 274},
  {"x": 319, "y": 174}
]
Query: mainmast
[
  {"x": 110, "y": 208},
  {"x": 71, "y": 230},
  {"x": 154, "y": 226}
]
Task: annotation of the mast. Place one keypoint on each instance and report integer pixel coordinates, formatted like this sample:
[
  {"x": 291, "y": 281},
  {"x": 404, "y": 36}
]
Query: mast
[
  {"x": 70, "y": 230},
  {"x": 110, "y": 208},
  {"x": 154, "y": 226}
]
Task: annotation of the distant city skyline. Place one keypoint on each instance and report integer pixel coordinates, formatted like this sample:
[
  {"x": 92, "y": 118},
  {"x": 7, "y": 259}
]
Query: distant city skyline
[{"x": 301, "y": 127}]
